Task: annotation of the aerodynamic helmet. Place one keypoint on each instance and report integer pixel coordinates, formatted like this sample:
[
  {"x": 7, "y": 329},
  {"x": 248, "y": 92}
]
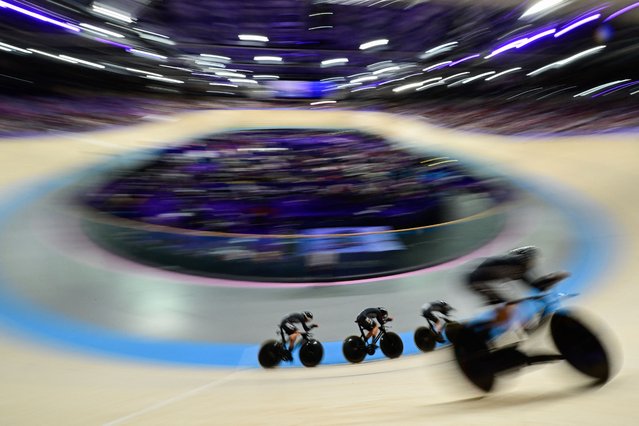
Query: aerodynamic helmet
[
  {"x": 445, "y": 308},
  {"x": 307, "y": 315},
  {"x": 527, "y": 253},
  {"x": 383, "y": 311}
]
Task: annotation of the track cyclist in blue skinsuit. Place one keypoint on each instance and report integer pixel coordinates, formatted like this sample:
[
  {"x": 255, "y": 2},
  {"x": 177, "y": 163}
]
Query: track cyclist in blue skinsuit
[{"x": 516, "y": 265}]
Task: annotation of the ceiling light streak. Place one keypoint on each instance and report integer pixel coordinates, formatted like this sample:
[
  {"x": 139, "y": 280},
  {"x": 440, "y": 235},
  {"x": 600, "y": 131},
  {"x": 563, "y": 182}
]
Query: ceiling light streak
[
  {"x": 602, "y": 86},
  {"x": 168, "y": 80},
  {"x": 229, "y": 74},
  {"x": 242, "y": 80},
  {"x": 267, "y": 59},
  {"x": 223, "y": 84},
  {"x": 428, "y": 86},
  {"x": 143, "y": 72},
  {"x": 118, "y": 15},
  {"x": 176, "y": 68},
  {"x": 151, "y": 32},
  {"x": 523, "y": 93},
  {"x": 323, "y": 102},
  {"x": 149, "y": 54},
  {"x": 577, "y": 24},
  {"x": 38, "y": 16},
  {"x": 437, "y": 50},
  {"x": 100, "y": 31},
  {"x": 224, "y": 59},
  {"x": 437, "y": 66},
  {"x": 541, "y": 6},
  {"x": 374, "y": 43},
  {"x": 614, "y": 89},
  {"x": 477, "y": 77},
  {"x": 252, "y": 37},
  {"x": 334, "y": 61},
  {"x": 384, "y": 70},
  {"x": 365, "y": 78},
  {"x": 363, "y": 88},
  {"x": 520, "y": 42},
  {"x": 499, "y": 74},
  {"x": 12, "y": 47},
  {"x": 210, "y": 64},
  {"x": 476, "y": 55},
  {"x": 538, "y": 36},
  {"x": 406, "y": 87},
  {"x": 52, "y": 56},
  {"x": 82, "y": 61},
  {"x": 113, "y": 43},
  {"x": 219, "y": 92},
  {"x": 157, "y": 39},
  {"x": 556, "y": 91},
  {"x": 566, "y": 61},
  {"x": 621, "y": 11},
  {"x": 455, "y": 76}
]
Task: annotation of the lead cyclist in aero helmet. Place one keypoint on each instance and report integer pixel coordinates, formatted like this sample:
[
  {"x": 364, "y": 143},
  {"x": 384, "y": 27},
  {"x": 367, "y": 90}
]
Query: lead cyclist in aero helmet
[{"x": 516, "y": 265}]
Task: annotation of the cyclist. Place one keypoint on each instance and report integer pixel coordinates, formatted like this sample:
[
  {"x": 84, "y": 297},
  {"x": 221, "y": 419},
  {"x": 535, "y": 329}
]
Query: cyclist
[
  {"x": 288, "y": 326},
  {"x": 436, "y": 313},
  {"x": 366, "y": 320},
  {"x": 515, "y": 265}
]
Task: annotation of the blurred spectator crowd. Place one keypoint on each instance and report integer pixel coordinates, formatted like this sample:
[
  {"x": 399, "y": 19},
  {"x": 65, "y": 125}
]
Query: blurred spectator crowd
[
  {"x": 28, "y": 115},
  {"x": 281, "y": 181}
]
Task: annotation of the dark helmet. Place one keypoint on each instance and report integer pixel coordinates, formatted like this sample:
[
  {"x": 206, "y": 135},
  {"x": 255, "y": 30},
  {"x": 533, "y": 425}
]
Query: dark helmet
[
  {"x": 527, "y": 253},
  {"x": 444, "y": 307},
  {"x": 307, "y": 315},
  {"x": 383, "y": 311}
]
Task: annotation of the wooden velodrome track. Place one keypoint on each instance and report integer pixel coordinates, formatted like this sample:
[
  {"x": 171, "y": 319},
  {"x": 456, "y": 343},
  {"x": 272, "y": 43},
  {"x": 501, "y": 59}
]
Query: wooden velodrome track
[{"x": 44, "y": 385}]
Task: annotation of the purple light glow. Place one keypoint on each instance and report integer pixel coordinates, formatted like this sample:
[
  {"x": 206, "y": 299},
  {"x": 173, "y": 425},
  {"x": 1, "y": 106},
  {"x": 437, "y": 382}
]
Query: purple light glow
[
  {"x": 123, "y": 46},
  {"x": 613, "y": 89},
  {"x": 520, "y": 42},
  {"x": 577, "y": 24},
  {"x": 537, "y": 37},
  {"x": 463, "y": 59},
  {"x": 38, "y": 16},
  {"x": 624, "y": 10}
]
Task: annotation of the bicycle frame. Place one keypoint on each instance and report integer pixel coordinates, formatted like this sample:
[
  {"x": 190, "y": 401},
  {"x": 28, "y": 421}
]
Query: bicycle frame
[
  {"x": 305, "y": 336},
  {"x": 374, "y": 339}
]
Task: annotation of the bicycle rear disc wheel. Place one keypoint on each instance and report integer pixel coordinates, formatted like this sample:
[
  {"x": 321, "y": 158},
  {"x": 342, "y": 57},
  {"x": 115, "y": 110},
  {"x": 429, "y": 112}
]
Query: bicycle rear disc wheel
[
  {"x": 269, "y": 355},
  {"x": 425, "y": 339},
  {"x": 580, "y": 347},
  {"x": 354, "y": 349}
]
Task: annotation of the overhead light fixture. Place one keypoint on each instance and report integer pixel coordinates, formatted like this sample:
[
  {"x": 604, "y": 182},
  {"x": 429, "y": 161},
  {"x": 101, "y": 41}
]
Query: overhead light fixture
[
  {"x": 542, "y": 6},
  {"x": 252, "y": 37},
  {"x": 100, "y": 31},
  {"x": 336, "y": 61},
  {"x": 218, "y": 58},
  {"x": 267, "y": 59},
  {"x": 111, "y": 13},
  {"x": 374, "y": 43}
]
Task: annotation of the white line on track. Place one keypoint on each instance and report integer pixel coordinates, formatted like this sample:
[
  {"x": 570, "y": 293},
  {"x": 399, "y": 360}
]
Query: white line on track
[{"x": 176, "y": 398}]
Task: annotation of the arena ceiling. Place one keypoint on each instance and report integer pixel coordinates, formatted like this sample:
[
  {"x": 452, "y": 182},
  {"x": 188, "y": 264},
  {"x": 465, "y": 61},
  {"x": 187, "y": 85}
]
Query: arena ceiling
[{"x": 326, "y": 48}]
